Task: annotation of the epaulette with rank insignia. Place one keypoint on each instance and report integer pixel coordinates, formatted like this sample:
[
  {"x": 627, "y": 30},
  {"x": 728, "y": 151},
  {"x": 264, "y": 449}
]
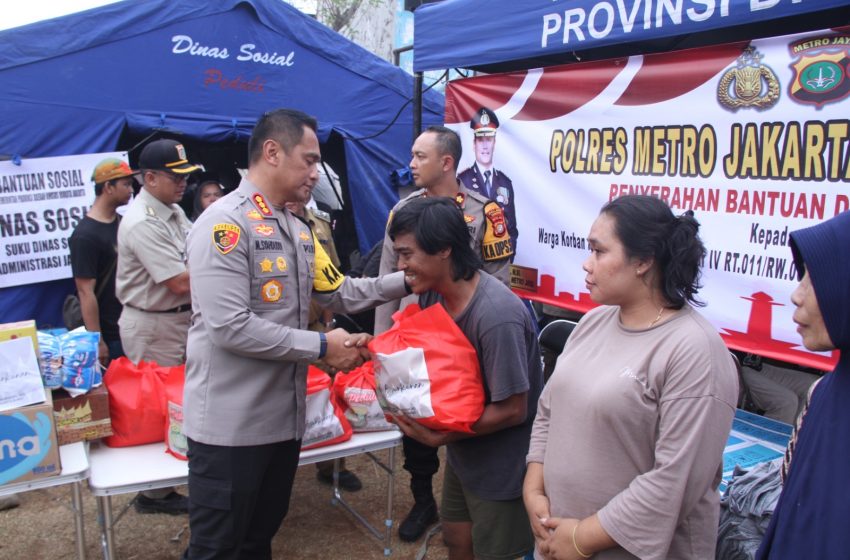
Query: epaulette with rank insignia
[
  {"x": 321, "y": 214},
  {"x": 460, "y": 199},
  {"x": 260, "y": 202}
]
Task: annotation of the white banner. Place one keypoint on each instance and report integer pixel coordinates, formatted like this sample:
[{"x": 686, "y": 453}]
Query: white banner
[
  {"x": 41, "y": 201},
  {"x": 754, "y": 138}
]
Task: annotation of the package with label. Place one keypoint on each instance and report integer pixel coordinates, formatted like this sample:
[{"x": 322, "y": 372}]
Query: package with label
[
  {"x": 50, "y": 359},
  {"x": 81, "y": 418},
  {"x": 325, "y": 422},
  {"x": 20, "y": 378},
  {"x": 355, "y": 391},
  {"x": 173, "y": 380},
  {"x": 28, "y": 445},
  {"x": 80, "y": 367},
  {"x": 9, "y": 331}
]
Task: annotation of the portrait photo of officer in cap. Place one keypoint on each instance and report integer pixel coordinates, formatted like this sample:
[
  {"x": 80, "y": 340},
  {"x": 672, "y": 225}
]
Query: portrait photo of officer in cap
[{"x": 483, "y": 177}]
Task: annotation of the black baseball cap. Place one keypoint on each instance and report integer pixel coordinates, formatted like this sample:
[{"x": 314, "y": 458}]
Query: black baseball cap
[{"x": 167, "y": 155}]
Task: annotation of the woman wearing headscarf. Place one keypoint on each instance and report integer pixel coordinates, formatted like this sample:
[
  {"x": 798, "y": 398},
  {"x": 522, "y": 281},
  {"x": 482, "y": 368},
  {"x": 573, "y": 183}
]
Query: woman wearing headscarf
[
  {"x": 627, "y": 446},
  {"x": 811, "y": 518}
]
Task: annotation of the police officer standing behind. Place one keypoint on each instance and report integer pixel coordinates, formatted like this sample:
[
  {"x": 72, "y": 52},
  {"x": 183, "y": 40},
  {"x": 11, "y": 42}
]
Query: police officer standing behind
[
  {"x": 435, "y": 156},
  {"x": 483, "y": 177},
  {"x": 254, "y": 269}
]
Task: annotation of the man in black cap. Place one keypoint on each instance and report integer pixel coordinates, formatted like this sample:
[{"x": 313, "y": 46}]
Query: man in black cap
[
  {"x": 483, "y": 177},
  {"x": 152, "y": 280}
]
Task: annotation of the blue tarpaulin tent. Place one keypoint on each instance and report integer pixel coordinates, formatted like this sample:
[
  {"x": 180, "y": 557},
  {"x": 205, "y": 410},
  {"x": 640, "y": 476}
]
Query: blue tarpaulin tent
[
  {"x": 505, "y": 35},
  {"x": 203, "y": 71}
]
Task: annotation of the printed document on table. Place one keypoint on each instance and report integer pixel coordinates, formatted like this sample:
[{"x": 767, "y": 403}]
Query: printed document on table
[{"x": 20, "y": 378}]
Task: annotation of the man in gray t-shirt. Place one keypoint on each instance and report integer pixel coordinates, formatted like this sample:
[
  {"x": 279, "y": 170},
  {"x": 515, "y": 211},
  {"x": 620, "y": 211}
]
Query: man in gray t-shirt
[{"x": 482, "y": 491}]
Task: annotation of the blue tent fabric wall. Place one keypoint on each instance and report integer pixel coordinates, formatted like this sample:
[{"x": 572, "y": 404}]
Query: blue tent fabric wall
[{"x": 207, "y": 71}]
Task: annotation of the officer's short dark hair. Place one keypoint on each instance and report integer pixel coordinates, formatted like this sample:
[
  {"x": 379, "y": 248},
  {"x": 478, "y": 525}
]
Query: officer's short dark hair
[
  {"x": 437, "y": 223},
  {"x": 285, "y": 126},
  {"x": 448, "y": 142}
]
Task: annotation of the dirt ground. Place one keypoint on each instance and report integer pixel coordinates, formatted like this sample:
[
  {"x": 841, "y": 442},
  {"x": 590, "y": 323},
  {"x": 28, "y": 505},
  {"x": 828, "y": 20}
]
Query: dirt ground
[{"x": 42, "y": 528}]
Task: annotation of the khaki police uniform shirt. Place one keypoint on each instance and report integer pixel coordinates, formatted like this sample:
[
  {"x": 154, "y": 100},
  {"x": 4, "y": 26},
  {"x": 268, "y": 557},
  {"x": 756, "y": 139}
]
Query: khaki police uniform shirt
[
  {"x": 321, "y": 223},
  {"x": 254, "y": 271},
  {"x": 488, "y": 229},
  {"x": 151, "y": 249}
]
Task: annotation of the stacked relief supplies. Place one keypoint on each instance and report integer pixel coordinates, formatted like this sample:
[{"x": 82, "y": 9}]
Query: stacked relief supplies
[{"x": 28, "y": 445}]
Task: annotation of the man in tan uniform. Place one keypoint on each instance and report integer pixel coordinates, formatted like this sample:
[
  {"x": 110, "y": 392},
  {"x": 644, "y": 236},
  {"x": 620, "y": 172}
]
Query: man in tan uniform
[
  {"x": 435, "y": 157},
  {"x": 152, "y": 281}
]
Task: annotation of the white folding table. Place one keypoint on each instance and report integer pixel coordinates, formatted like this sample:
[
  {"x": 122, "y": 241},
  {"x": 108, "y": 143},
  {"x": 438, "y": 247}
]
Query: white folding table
[
  {"x": 122, "y": 470},
  {"x": 75, "y": 469}
]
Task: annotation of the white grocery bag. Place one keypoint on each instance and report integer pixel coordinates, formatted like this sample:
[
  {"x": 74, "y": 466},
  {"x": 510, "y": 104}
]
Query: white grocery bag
[
  {"x": 402, "y": 383},
  {"x": 321, "y": 423}
]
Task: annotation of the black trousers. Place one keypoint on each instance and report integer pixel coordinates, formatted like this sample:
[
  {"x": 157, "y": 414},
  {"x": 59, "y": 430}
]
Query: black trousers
[
  {"x": 238, "y": 497},
  {"x": 420, "y": 460}
]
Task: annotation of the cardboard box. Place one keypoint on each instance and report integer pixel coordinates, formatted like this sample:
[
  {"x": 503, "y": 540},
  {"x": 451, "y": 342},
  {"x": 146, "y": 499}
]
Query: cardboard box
[
  {"x": 28, "y": 445},
  {"x": 8, "y": 331},
  {"x": 82, "y": 418}
]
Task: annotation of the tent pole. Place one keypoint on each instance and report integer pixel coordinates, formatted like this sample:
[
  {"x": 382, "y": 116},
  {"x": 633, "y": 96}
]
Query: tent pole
[{"x": 417, "y": 104}]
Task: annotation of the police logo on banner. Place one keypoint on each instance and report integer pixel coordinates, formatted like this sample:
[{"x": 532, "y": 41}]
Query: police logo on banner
[
  {"x": 820, "y": 72},
  {"x": 750, "y": 84},
  {"x": 226, "y": 237}
]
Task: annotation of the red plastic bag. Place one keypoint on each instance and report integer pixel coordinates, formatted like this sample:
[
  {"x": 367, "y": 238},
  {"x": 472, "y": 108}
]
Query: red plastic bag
[
  {"x": 355, "y": 391},
  {"x": 426, "y": 369},
  {"x": 135, "y": 403},
  {"x": 326, "y": 423},
  {"x": 172, "y": 406}
]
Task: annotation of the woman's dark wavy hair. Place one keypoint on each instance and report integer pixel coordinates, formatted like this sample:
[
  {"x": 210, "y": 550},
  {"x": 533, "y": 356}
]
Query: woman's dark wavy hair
[
  {"x": 437, "y": 223},
  {"x": 647, "y": 229}
]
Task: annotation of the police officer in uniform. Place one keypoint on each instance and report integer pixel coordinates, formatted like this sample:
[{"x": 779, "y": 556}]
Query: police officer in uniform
[
  {"x": 255, "y": 267},
  {"x": 435, "y": 156},
  {"x": 152, "y": 281},
  {"x": 483, "y": 177}
]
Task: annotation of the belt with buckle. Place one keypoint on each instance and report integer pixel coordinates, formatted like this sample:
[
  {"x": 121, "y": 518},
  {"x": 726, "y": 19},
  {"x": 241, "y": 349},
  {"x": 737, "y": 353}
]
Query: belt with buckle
[{"x": 179, "y": 309}]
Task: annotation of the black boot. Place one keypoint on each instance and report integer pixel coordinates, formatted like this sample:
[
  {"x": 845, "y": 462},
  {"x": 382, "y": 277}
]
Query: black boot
[{"x": 422, "y": 514}]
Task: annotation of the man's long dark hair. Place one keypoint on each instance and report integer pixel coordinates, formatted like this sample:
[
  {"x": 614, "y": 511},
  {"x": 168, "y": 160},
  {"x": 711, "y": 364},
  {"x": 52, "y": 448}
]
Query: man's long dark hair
[{"x": 437, "y": 224}]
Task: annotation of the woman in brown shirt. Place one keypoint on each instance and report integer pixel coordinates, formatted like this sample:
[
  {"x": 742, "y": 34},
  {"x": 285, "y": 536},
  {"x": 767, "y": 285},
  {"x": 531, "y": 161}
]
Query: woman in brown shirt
[{"x": 626, "y": 450}]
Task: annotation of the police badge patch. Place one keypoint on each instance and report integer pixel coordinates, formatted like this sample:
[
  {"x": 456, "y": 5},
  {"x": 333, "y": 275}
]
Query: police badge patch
[
  {"x": 497, "y": 220},
  {"x": 226, "y": 237},
  {"x": 820, "y": 68}
]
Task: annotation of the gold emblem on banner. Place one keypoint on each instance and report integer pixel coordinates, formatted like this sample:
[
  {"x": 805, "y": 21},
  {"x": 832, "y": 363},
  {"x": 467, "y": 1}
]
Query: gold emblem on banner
[{"x": 749, "y": 84}]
